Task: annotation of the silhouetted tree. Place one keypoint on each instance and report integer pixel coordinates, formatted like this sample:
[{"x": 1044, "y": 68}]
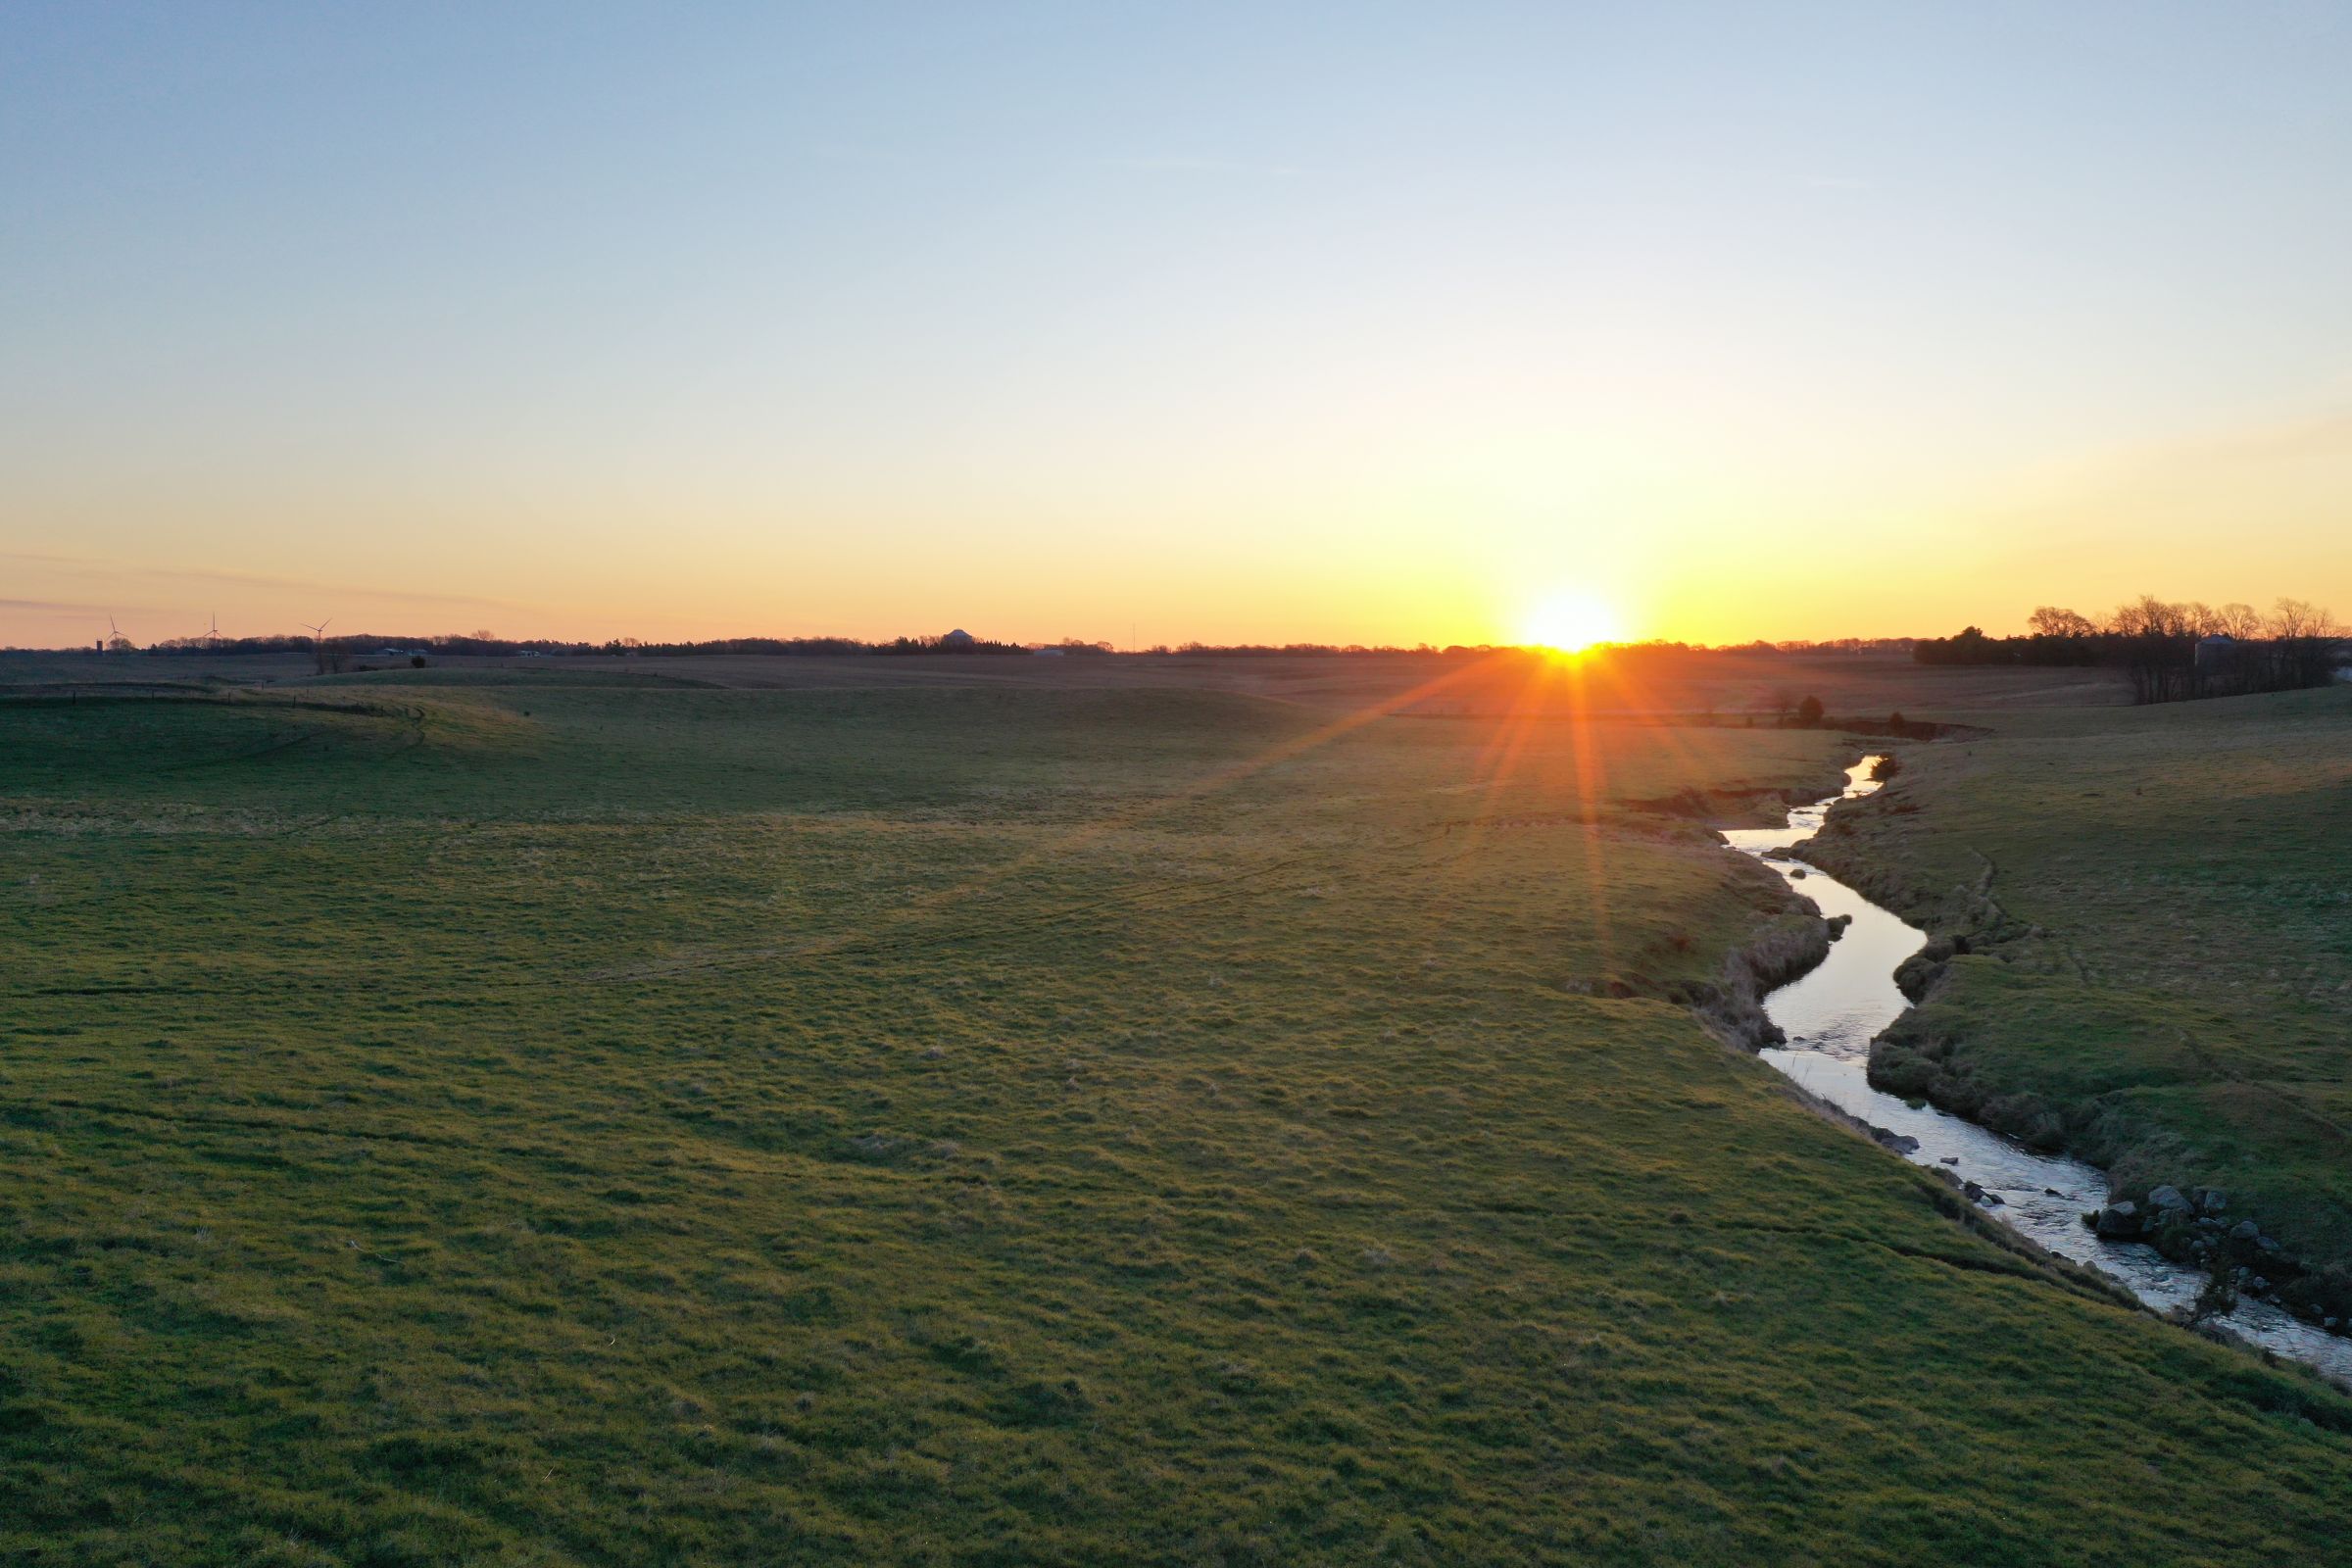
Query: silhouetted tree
[
  {"x": 2241, "y": 621},
  {"x": 2048, "y": 620},
  {"x": 2306, "y": 644},
  {"x": 2159, "y": 647}
]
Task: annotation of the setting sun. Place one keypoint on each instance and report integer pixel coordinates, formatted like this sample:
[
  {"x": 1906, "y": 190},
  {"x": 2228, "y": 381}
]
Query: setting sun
[{"x": 1570, "y": 624}]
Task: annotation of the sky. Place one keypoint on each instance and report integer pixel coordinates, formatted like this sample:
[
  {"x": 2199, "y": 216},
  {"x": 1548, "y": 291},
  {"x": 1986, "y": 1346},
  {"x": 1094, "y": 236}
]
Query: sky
[{"x": 1157, "y": 323}]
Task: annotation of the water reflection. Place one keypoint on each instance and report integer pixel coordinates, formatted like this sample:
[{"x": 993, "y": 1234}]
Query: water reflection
[{"x": 1831, "y": 1015}]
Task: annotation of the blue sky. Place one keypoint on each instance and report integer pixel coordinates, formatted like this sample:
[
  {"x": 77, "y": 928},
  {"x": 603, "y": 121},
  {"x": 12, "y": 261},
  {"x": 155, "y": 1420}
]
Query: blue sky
[{"x": 1223, "y": 322}]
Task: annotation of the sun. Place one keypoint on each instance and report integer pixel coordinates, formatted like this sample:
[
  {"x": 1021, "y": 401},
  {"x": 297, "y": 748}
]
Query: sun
[{"x": 1570, "y": 622}]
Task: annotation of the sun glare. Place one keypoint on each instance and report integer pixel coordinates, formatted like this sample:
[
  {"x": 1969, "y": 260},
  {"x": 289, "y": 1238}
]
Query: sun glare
[{"x": 1570, "y": 624}]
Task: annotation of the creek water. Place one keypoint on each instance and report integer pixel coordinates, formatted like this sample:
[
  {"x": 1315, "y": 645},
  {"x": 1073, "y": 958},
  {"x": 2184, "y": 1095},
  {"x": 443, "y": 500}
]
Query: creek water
[{"x": 1832, "y": 1012}]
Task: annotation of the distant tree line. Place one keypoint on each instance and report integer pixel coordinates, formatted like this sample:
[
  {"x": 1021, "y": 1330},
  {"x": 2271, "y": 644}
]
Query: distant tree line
[
  {"x": 489, "y": 645},
  {"x": 2171, "y": 651},
  {"x": 1794, "y": 644},
  {"x": 2160, "y": 645},
  {"x": 805, "y": 647},
  {"x": 1197, "y": 650},
  {"x": 478, "y": 643}
]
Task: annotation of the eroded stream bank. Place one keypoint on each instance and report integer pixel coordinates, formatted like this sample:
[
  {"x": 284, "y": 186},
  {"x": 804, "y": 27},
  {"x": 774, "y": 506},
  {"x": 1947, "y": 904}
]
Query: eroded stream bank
[{"x": 1833, "y": 1011}]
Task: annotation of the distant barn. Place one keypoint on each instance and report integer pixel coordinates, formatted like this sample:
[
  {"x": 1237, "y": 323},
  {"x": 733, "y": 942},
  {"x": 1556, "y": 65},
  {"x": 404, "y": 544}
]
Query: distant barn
[
  {"x": 959, "y": 639},
  {"x": 2215, "y": 652}
]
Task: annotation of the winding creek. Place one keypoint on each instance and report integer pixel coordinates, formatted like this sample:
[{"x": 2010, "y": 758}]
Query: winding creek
[{"x": 1832, "y": 1013}]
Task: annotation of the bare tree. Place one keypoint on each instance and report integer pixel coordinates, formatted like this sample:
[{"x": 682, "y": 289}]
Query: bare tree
[
  {"x": 2298, "y": 617},
  {"x": 2159, "y": 648},
  {"x": 2048, "y": 620},
  {"x": 2241, "y": 621},
  {"x": 2306, "y": 642}
]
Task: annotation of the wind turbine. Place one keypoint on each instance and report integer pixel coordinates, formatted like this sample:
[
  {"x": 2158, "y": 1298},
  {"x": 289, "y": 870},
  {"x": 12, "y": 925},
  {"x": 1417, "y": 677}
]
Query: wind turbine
[{"x": 319, "y": 641}]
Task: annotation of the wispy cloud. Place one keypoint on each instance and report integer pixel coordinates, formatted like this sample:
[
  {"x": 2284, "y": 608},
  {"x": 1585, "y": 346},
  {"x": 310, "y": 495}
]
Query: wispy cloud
[
  {"x": 1182, "y": 164},
  {"x": 115, "y": 571},
  {"x": 66, "y": 607},
  {"x": 835, "y": 152},
  {"x": 2216, "y": 452}
]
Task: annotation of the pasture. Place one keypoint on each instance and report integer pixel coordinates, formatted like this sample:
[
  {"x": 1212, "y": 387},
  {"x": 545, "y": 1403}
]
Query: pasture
[
  {"x": 2161, "y": 911},
  {"x": 618, "y": 1115}
]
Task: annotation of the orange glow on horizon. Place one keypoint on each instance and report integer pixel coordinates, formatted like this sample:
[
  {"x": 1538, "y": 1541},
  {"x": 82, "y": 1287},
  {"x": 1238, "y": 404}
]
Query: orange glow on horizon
[{"x": 1569, "y": 622}]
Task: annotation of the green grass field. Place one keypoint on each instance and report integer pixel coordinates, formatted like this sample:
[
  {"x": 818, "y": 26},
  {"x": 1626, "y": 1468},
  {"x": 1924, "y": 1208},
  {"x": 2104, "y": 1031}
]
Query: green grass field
[
  {"x": 593, "y": 1116},
  {"x": 2161, "y": 903}
]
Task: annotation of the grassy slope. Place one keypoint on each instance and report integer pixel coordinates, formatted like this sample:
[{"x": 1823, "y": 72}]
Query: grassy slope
[
  {"x": 546, "y": 1121},
  {"x": 2185, "y": 1013}
]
